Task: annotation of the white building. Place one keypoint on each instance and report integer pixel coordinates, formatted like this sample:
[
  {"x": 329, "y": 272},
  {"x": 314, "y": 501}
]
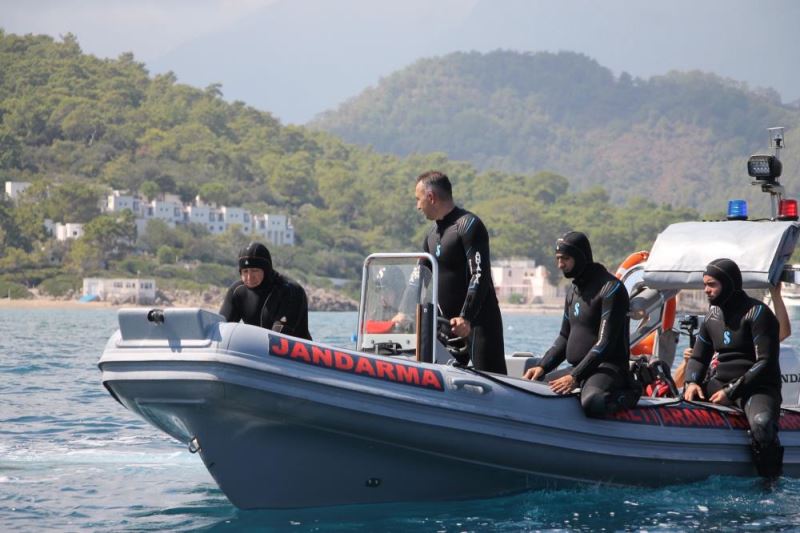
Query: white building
[
  {"x": 15, "y": 188},
  {"x": 70, "y": 230},
  {"x": 118, "y": 202},
  {"x": 120, "y": 290},
  {"x": 236, "y": 216},
  {"x": 169, "y": 210},
  {"x": 522, "y": 279},
  {"x": 275, "y": 229},
  {"x": 203, "y": 215},
  {"x": 63, "y": 232}
]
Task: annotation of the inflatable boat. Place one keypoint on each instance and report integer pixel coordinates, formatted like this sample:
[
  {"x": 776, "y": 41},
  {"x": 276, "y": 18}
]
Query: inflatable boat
[{"x": 282, "y": 422}]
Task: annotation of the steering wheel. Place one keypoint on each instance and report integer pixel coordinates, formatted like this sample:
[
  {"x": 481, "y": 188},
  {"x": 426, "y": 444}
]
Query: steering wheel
[{"x": 456, "y": 346}]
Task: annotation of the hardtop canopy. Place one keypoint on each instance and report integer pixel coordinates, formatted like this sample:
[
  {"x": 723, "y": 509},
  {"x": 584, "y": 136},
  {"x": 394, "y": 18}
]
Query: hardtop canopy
[{"x": 681, "y": 252}]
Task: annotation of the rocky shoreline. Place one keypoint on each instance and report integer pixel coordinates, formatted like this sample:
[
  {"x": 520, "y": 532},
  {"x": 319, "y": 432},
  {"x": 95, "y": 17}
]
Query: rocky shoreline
[
  {"x": 318, "y": 299},
  {"x": 211, "y": 298}
]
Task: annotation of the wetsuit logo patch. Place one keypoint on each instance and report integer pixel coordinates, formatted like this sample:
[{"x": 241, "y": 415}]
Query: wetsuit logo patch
[
  {"x": 726, "y": 337},
  {"x": 577, "y": 310},
  {"x": 438, "y": 250}
]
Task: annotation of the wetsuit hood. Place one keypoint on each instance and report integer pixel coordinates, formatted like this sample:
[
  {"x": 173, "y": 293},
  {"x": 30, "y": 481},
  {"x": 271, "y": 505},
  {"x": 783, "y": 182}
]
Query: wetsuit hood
[
  {"x": 256, "y": 255},
  {"x": 576, "y": 245},
  {"x": 729, "y": 276}
]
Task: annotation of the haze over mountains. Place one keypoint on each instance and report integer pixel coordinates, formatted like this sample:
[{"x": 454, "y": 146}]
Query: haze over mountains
[{"x": 297, "y": 58}]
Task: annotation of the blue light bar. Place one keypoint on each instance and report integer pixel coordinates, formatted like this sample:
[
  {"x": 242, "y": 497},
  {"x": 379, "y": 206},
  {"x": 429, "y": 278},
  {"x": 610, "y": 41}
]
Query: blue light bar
[{"x": 737, "y": 210}]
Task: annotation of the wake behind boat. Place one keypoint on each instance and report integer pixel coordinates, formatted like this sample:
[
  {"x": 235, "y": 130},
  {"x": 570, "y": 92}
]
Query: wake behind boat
[{"x": 282, "y": 422}]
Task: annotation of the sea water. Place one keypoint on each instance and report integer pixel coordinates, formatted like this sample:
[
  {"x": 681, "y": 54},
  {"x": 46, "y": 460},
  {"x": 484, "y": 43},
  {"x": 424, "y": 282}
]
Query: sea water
[{"x": 73, "y": 459}]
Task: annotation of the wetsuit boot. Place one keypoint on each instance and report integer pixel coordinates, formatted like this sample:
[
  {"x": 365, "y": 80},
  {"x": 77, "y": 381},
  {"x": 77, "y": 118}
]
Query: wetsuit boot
[{"x": 768, "y": 459}]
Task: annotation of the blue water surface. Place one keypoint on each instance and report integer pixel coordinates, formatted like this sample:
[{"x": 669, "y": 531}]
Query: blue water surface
[{"x": 72, "y": 458}]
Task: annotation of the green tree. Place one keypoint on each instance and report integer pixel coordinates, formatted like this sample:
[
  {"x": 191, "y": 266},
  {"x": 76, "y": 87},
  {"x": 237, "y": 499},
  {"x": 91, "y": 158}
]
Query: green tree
[
  {"x": 73, "y": 202},
  {"x": 105, "y": 238},
  {"x": 215, "y": 193},
  {"x": 150, "y": 190}
]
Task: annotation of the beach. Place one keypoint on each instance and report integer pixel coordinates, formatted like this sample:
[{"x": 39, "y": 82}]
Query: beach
[{"x": 54, "y": 303}]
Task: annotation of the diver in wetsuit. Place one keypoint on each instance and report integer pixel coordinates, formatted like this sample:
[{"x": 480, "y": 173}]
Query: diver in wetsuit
[
  {"x": 594, "y": 336},
  {"x": 265, "y": 298},
  {"x": 460, "y": 243},
  {"x": 744, "y": 333}
]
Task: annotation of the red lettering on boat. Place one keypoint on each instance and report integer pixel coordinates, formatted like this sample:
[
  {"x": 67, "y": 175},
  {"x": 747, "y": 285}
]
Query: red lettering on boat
[
  {"x": 361, "y": 365},
  {"x": 299, "y": 351},
  {"x": 690, "y": 418},
  {"x": 278, "y": 346},
  {"x": 709, "y": 418},
  {"x": 430, "y": 380},
  {"x": 652, "y": 417},
  {"x": 385, "y": 370},
  {"x": 737, "y": 421},
  {"x": 364, "y": 366},
  {"x": 321, "y": 357},
  {"x": 671, "y": 417},
  {"x": 407, "y": 374},
  {"x": 789, "y": 421},
  {"x": 343, "y": 361}
]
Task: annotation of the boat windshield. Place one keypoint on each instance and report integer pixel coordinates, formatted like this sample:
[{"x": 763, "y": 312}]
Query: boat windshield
[{"x": 392, "y": 290}]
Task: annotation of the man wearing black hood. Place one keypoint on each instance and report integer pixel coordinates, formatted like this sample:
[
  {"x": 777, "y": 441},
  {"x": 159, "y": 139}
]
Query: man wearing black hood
[
  {"x": 594, "y": 334},
  {"x": 265, "y": 298},
  {"x": 744, "y": 333}
]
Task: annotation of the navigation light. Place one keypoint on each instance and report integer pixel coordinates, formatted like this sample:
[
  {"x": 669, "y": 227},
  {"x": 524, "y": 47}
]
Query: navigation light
[
  {"x": 787, "y": 210},
  {"x": 737, "y": 210}
]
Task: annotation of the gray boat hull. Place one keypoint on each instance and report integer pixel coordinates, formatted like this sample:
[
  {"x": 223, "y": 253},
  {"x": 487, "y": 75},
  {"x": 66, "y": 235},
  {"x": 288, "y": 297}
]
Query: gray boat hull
[{"x": 281, "y": 422}]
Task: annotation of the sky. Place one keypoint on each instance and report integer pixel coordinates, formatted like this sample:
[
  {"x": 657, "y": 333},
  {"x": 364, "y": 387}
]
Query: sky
[{"x": 297, "y": 58}]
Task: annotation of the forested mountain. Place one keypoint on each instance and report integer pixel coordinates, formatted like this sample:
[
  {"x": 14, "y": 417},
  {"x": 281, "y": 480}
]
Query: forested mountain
[
  {"x": 682, "y": 138},
  {"x": 77, "y": 126}
]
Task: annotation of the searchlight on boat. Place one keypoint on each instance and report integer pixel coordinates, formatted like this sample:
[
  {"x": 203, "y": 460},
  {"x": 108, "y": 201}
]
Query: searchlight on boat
[
  {"x": 737, "y": 210},
  {"x": 764, "y": 168}
]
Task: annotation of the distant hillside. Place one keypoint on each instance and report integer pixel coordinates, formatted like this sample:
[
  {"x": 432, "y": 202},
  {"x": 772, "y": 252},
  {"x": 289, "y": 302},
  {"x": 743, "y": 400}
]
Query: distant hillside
[
  {"x": 681, "y": 138},
  {"x": 76, "y": 126}
]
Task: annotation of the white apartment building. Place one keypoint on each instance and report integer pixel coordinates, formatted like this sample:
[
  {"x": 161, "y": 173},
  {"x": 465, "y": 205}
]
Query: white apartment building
[
  {"x": 237, "y": 216},
  {"x": 15, "y": 188},
  {"x": 523, "y": 278},
  {"x": 118, "y": 201},
  {"x": 169, "y": 210},
  {"x": 275, "y": 229},
  {"x": 131, "y": 290}
]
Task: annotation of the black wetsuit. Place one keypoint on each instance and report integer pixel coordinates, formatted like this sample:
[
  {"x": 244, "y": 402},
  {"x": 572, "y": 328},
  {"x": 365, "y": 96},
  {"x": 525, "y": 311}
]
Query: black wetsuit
[
  {"x": 277, "y": 297},
  {"x": 744, "y": 333},
  {"x": 460, "y": 243},
  {"x": 594, "y": 339}
]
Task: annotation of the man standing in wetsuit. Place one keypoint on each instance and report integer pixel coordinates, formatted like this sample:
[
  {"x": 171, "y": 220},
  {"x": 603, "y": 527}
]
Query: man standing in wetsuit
[
  {"x": 744, "y": 333},
  {"x": 460, "y": 243},
  {"x": 594, "y": 336},
  {"x": 265, "y": 298}
]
